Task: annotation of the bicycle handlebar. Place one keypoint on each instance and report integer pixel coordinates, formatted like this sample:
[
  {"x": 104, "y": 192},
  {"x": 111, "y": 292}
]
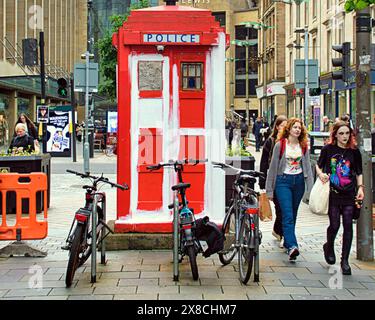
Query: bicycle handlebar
[
  {"x": 176, "y": 162},
  {"x": 99, "y": 179},
  {"x": 253, "y": 173}
]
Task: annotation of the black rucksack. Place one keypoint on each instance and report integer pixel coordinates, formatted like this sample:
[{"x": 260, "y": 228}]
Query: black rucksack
[{"x": 208, "y": 231}]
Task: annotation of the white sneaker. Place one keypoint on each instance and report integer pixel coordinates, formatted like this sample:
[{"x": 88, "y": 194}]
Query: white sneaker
[
  {"x": 277, "y": 236},
  {"x": 281, "y": 244}
]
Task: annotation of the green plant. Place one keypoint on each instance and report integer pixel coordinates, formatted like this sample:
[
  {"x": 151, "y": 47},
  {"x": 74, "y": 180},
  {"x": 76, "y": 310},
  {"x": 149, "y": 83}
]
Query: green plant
[
  {"x": 108, "y": 53},
  {"x": 351, "y": 5},
  {"x": 238, "y": 151}
]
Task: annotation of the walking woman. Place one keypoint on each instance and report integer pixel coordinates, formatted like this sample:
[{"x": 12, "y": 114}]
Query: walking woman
[
  {"x": 289, "y": 171},
  {"x": 340, "y": 163},
  {"x": 278, "y": 125}
]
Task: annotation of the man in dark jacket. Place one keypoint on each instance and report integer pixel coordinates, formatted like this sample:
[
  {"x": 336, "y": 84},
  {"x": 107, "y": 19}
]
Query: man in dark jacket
[
  {"x": 244, "y": 128},
  {"x": 258, "y": 124}
]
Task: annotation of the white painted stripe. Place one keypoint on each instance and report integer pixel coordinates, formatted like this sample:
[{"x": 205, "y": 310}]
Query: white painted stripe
[
  {"x": 150, "y": 113},
  {"x": 216, "y": 144}
]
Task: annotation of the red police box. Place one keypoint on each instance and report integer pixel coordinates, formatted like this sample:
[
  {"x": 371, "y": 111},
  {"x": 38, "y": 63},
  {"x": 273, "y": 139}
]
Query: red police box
[{"x": 171, "y": 105}]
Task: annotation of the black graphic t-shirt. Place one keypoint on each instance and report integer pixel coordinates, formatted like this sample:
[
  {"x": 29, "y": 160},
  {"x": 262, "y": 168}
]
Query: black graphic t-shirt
[{"x": 343, "y": 165}]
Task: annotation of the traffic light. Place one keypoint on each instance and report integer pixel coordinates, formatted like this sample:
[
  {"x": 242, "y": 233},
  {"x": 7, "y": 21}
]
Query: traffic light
[
  {"x": 30, "y": 52},
  {"x": 314, "y": 92},
  {"x": 62, "y": 91},
  {"x": 343, "y": 62}
]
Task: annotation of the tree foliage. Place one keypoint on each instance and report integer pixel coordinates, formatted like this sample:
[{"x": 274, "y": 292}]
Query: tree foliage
[
  {"x": 108, "y": 53},
  {"x": 351, "y": 5}
]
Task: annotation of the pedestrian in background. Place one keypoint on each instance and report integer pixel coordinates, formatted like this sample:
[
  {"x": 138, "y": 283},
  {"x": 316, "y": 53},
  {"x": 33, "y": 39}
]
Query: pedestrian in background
[
  {"x": 258, "y": 124},
  {"x": 340, "y": 163},
  {"x": 279, "y": 123},
  {"x": 244, "y": 129},
  {"x": 289, "y": 171},
  {"x": 30, "y": 127},
  {"x": 22, "y": 141}
]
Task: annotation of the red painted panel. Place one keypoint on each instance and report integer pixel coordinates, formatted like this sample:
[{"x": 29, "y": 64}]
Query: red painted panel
[
  {"x": 192, "y": 147},
  {"x": 192, "y": 113},
  {"x": 150, "y": 183},
  {"x": 151, "y": 94},
  {"x": 195, "y": 175}
]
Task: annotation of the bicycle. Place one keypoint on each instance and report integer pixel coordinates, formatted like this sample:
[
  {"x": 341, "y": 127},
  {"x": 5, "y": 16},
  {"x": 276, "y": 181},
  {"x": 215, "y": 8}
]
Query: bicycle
[
  {"x": 241, "y": 224},
  {"x": 184, "y": 226},
  {"x": 88, "y": 229}
]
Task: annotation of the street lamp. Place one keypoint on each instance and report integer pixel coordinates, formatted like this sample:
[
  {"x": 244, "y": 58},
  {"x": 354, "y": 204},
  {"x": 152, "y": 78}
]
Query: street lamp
[{"x": 305, "y": 30}]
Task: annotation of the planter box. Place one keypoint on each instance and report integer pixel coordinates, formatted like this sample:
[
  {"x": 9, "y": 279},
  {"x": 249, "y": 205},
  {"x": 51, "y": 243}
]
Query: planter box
[
  {"x": 246, "y": 163},
  {"x": 27, "y": 164}
]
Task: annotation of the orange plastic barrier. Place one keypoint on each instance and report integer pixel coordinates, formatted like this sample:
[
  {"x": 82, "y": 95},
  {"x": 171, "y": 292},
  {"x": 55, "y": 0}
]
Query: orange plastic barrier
[{"x": 26, "y": 187}]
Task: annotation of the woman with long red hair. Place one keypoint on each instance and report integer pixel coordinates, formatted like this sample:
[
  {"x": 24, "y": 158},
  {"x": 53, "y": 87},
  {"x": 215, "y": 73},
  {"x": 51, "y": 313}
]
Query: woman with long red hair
[
  {"x": 289, "y": 171},
  {"x": 340, "y": 163}
]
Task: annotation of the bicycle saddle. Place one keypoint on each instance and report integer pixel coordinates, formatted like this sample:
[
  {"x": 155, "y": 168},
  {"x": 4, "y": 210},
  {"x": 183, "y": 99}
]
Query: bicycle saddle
[
  {"x": 181, "y": 186},
  {"x": 245, "y": 178}
]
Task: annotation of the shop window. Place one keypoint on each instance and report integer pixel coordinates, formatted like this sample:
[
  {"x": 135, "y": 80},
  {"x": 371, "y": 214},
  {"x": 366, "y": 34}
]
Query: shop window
[{"x": 192, "y": 76}]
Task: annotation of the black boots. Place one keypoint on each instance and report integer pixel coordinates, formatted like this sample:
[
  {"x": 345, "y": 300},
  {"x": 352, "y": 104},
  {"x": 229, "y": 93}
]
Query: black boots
[
  {"x": 329, "y": 253},
  {"x": 345, "y": 267}
]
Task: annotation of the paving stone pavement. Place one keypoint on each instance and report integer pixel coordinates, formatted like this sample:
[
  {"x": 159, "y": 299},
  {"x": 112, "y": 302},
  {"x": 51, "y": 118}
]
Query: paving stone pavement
[{"x": 147, "y": 275}]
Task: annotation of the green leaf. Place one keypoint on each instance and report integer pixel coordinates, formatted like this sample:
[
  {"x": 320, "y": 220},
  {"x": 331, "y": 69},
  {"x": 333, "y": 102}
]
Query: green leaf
[
  {"x": 349, "y": 6},
  {"x": 361, "y": 4}
]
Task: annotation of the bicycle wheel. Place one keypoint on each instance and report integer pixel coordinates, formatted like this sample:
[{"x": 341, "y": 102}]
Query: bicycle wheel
[
  {"x": 246, "y": 255},
  {"x": 88, "y": 249},
  {"x": 75, "y": 250},
  {"x": 229, "y": 230},
  {"x": 193, "y": 261}
]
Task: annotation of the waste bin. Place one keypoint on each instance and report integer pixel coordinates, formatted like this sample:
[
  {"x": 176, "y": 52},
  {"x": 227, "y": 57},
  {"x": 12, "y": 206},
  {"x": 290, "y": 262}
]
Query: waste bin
[
  {"x": 27, "y": 164},
  {"x": 245, "y": 163}
]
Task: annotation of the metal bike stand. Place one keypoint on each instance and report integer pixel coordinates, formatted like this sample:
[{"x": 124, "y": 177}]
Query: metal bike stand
[
  {"x": 175, "y": 239},
  {"x": 93, "y": 241},
  {"x": 102, "y": 232}
]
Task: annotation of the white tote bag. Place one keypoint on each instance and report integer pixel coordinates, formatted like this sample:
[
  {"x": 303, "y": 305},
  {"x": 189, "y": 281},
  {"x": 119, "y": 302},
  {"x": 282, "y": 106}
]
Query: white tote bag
[{"x": 319, "y": 197}]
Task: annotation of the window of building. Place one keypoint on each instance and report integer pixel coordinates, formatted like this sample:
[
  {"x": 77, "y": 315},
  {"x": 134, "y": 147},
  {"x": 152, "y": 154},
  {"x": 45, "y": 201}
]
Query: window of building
[
  {"x": 315, "y": 8},
  {"x": 306, "y": 13},
  {"x": 240, "y": 64},
  {"x": 220, "y": 17},
  {"x": 314, "y": 51},
  {"x": 192, "y": 76}
]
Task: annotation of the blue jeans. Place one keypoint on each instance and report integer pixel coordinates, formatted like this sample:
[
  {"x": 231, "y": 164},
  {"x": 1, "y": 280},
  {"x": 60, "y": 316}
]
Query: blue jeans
[{"x": 289, "y": 191}]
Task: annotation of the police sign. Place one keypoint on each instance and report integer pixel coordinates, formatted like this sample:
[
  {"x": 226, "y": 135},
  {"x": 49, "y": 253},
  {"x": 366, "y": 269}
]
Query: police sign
[{"x": 170, "y": 38}]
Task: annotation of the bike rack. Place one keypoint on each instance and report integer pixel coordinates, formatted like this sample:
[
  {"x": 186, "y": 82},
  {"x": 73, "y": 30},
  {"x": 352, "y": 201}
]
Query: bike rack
[
  {"x": 93, "y": 238},
  {"x": 175, "y": 238}
]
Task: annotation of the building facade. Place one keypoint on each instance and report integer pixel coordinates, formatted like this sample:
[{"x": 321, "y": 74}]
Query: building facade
[
  {"x": 328, "y": 25},
  {"x": 64, "y": 26},
  {"x": 271, "y": 91},
  {"x": 233, "y": 14}
]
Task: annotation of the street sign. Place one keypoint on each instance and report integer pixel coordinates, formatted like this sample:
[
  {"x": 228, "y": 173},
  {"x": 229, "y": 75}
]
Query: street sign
[
  {"x": 299, "y": 74},
  {"x": 80, "y": 77}
]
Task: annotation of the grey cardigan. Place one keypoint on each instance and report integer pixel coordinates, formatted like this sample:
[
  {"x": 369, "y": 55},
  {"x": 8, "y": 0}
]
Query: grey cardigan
[{"x": 277, "y": 167}]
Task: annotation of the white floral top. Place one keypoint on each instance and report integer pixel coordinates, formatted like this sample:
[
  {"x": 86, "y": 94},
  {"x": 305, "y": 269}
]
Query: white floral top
[{"x": 293, "y": 156}]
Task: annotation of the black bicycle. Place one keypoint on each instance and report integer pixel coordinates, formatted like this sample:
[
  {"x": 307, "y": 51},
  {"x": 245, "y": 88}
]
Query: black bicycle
[
  {"x": 241, "y": 224},
  {"x": 89, "y": 228},
  {"x": 186, "y": 242}
]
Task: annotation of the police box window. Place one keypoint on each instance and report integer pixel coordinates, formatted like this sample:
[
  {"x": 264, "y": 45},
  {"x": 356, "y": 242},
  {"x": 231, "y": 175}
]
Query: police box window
[
  {"x": 150, "y": 75},
  {"x": 192, "y": 76}
]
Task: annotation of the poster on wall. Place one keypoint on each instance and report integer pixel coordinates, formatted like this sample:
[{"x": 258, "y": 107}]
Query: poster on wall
[
  {"x": 58, "y": 141},
  {"x": 112, "y": 121}
]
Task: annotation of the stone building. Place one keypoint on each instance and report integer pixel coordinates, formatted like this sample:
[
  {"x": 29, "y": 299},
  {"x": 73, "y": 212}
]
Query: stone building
[{"x": 64, "y": 25}]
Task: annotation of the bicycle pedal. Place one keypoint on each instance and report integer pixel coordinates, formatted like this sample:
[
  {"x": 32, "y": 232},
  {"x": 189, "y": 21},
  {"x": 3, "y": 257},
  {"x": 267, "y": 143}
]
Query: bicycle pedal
[{"x": 66, "y": 247}]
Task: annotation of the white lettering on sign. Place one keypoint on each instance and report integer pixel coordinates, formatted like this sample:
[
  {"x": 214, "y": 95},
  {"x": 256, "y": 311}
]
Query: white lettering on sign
[{"x": 170, "y": 38}]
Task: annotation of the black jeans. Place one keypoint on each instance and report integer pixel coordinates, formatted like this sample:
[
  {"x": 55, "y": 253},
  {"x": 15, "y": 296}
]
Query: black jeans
[
  {"x": 258, "y": 140},
  {"x": 277, "y": 226},
  {"x": 334, "y": 213}
]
